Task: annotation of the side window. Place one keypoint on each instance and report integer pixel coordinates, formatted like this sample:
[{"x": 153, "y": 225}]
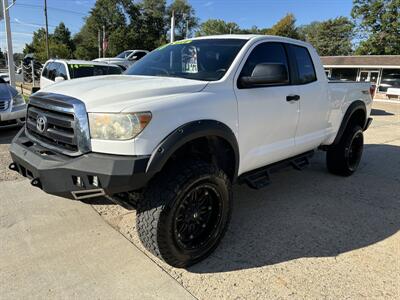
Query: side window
[
  {"x": 62, "y": 71},
  {"x": 45, "y": 70},
  {"x": 140, "y": 54},
  {"x": 51, "y": 74},
  {"x": 305, "y": 66},
  {"x": 265, "y": 53}
]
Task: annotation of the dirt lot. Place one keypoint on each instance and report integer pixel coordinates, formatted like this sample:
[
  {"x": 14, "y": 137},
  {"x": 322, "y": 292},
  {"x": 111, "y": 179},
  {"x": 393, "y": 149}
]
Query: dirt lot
[{"x": 308, "y": 235}]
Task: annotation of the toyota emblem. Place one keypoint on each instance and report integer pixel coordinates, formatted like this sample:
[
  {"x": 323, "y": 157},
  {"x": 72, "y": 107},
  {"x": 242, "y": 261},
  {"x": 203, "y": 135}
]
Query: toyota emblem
[{"x": 41, "y": 124}]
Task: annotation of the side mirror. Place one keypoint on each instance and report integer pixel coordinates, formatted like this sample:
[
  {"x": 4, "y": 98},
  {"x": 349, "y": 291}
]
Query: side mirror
[
  {"x": 265, "y": 74},
  {"x": 58, "y": 79},
  {"x": 133, "y": 57}
]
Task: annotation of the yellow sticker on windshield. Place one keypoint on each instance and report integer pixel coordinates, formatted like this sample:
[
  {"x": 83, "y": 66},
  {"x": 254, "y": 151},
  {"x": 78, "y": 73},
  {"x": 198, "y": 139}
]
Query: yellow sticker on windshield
[{"x": 182, "y": 42}]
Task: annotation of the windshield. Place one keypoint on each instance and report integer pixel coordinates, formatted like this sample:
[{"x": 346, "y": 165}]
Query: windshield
[
  {"x": 205, "y": 59},
  {"x": 78, "y": 70},
  {"x": 124, "y": 54}
]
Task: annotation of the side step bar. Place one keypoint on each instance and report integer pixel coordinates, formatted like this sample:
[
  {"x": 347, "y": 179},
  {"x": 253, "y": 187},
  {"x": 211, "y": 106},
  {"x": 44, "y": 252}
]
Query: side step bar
[{"x": 260, "y": 178}]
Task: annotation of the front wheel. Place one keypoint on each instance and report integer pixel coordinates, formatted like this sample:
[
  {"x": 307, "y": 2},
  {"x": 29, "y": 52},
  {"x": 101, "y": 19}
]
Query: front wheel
[
  {"x": 185, "y": 212},
  {"x": 343, "y": 159}
]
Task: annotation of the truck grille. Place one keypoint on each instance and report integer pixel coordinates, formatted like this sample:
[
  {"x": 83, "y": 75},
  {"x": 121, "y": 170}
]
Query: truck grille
[
  {"x": 58, "y": 123},
  {"x": 4, "y": 104}
]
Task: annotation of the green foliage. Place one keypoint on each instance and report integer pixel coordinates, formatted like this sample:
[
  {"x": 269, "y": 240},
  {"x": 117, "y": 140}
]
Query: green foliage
[
  {"x": 378, "y": 26},
  {"x": 285, "y": 27},
  {"x": 57, "y": 48},
  {"x": 184, "y": 14},
  {"x": 217, "y": 26},
  {"x": 331, "y": 37}
]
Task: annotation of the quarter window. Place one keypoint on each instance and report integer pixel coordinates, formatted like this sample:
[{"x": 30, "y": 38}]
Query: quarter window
[
  {"x": 265, "y": 53},
  {"x": 305, "y": 67}
]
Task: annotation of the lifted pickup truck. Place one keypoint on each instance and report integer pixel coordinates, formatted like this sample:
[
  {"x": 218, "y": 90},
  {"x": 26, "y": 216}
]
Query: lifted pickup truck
[{"x": 185, "y": 123}]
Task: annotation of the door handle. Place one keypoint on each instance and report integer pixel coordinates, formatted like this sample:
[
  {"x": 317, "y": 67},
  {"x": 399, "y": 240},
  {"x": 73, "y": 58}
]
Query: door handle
[{"x": 292, "y": 98}]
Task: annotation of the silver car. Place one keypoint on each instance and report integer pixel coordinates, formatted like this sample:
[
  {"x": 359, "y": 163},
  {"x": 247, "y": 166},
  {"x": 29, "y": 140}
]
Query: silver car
[{"x": 12, "y": 105}]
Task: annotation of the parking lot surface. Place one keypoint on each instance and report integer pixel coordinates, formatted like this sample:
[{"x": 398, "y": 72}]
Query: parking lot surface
[{"x": 309, "y": 235}]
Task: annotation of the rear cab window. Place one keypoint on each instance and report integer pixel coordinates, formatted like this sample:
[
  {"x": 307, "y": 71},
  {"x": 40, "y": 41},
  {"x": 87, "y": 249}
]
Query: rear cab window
[{"x": 303, "y": 63}]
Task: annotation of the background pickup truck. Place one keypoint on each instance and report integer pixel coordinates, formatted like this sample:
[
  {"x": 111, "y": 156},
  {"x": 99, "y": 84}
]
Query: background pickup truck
[
  {"x": 186, "y": 122},
  {"x": 125, "y": 59}
]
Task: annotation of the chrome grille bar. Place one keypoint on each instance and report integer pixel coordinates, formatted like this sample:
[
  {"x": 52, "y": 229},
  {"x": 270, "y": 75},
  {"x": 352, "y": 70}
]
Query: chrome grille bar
[{"x": 66, "y": 129}]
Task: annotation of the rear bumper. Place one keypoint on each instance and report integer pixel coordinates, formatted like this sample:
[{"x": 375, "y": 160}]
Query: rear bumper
[{"x": 88, "y": 175}]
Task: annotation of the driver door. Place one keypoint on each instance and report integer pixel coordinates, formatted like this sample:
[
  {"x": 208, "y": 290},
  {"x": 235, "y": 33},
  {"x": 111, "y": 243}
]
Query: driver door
[{"x": 268, "y": 114}]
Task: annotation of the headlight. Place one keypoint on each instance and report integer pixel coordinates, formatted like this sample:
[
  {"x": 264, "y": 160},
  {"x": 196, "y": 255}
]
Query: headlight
[
  {"x": 119, "y": 126},
  {"x": 18, "y": 100}
]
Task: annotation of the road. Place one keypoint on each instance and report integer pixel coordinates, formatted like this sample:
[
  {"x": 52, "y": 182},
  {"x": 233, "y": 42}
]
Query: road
[{"x": 309, "y": 235}]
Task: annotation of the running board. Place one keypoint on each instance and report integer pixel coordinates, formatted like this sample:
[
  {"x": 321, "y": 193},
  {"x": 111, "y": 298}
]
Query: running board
[{"x": 260, "y": 177}]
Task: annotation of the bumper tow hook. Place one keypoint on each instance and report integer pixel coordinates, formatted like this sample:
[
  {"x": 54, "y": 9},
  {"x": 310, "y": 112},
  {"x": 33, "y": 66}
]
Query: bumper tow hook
[{"x": 36, "y": 183}]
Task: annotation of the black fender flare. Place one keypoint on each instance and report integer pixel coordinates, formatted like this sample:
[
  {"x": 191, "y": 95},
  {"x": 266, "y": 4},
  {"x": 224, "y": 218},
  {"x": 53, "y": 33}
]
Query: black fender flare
[
  {"x": 186, "y": 133},
  {"x": 356, "y": 105}
]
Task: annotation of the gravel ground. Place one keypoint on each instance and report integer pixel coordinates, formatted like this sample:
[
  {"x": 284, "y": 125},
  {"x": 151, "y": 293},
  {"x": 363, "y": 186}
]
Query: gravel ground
[
  {"x": 6, "y": 135},
  {"x": 308, "y": 235}
]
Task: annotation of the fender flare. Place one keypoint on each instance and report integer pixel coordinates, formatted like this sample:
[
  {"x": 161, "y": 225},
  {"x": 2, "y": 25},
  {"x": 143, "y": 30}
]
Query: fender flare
[
  {"x": 186, "y": 133},
  {"x": 356, "y": 105}
]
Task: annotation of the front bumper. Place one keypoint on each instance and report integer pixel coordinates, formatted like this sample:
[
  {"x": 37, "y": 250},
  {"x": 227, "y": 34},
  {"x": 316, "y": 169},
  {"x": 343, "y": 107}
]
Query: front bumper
[
  {"x": 86, "y": 176},
  {"x": 16, "y": 113}
]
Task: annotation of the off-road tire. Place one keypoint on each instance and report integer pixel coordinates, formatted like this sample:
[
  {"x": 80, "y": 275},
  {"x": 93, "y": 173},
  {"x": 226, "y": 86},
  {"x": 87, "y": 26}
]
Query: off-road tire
[
  {"x": 343, "y": 159},
  {"x": 158, "y": 212}
]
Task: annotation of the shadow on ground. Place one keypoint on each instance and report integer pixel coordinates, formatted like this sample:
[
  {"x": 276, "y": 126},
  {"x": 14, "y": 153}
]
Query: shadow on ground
[
  {"x": 380, "y": 112},
  {"x": 7, "y": 134},
  {"x": 312, "y": 214}
]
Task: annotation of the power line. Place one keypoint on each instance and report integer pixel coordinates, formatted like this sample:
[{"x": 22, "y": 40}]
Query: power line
[{"x": 51, "y": 8}]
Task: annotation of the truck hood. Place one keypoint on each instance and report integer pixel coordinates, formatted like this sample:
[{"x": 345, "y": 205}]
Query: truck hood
[{"x": 113, "y": 93}]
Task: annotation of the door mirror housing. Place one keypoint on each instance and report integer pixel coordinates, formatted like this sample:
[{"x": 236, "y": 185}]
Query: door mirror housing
[
  {"x": 133, "y": 57},
  {"x": 265, "y": 74},
  {"x": 58, "y": 79}
]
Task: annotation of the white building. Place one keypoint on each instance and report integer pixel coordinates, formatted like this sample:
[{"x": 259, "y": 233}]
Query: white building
[{"x": 382, "y": 70}]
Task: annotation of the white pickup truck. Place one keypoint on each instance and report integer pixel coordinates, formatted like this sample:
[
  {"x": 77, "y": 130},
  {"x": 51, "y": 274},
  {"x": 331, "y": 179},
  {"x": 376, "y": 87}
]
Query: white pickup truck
[{"x": 185, "y": 123}]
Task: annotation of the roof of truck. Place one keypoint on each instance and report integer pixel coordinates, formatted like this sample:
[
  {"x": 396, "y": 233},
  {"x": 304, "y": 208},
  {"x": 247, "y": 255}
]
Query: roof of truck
[{"x": 81, "y": 62}]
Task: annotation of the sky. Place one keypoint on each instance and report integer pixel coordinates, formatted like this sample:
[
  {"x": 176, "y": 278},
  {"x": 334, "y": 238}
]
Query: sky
[{"x": 27, "y": 15}]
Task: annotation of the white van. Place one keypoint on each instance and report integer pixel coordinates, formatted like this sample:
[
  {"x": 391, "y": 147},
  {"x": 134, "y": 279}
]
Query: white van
[{"x": 56, "y": 70}]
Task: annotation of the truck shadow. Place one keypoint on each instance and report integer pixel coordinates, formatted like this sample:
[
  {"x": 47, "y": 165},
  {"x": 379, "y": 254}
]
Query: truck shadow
[
  {"x": 312, "y": 214},
  {"x": 380, "y": 112},
  {"x": 7, "y": 134}
]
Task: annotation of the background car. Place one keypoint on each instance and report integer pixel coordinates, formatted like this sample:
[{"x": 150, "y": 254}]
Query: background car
[
  {"x": 12, "y": 105},
  {"x": 56, "y": 70},
  {"x": 125, "y": 59}
]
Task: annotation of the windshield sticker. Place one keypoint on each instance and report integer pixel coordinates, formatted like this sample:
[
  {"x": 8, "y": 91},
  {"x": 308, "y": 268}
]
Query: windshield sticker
[
  {"x": 189, "y": 60},
  {"x": 75, "y": 66},
  {"x": 183, "y": 42}
]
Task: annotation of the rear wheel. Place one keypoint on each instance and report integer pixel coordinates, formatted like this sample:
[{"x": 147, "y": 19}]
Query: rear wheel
[
  {"x": 185, "y": 213},
  {"x": 343, "y": 159}
]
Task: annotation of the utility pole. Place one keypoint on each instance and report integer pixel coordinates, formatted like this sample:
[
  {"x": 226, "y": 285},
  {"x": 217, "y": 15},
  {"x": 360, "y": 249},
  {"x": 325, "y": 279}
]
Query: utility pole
[
  {"x": 47, "y": 30},
  {"x": 99, "y": 41},
  {"x": 173, "y": 27},
  {"x": 104, "y": 41},
  {"x": 10, "y": 53}
]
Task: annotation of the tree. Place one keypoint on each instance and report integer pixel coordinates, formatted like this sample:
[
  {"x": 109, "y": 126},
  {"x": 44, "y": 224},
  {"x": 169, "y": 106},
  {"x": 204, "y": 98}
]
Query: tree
[
  {"x": 38, "y": 46},
  {"x": 62, "y": 35},
  {"x": 378, "y": 24},
  {"x": 153, "y": 23},
  {"x": 331, "y": 37},
  {"x": 110, "y": 14},
  {"x": 285, "y": 27},
  {"x": 185, "y": 19},
  {"x": 217, "y": 26}
]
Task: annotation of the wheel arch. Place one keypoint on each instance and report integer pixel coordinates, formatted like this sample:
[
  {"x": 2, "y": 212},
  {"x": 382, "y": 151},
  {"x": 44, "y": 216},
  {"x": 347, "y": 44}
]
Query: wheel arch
[
  {"x": 210, "y": 131},
  {"x": 355, "y": 113}
]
